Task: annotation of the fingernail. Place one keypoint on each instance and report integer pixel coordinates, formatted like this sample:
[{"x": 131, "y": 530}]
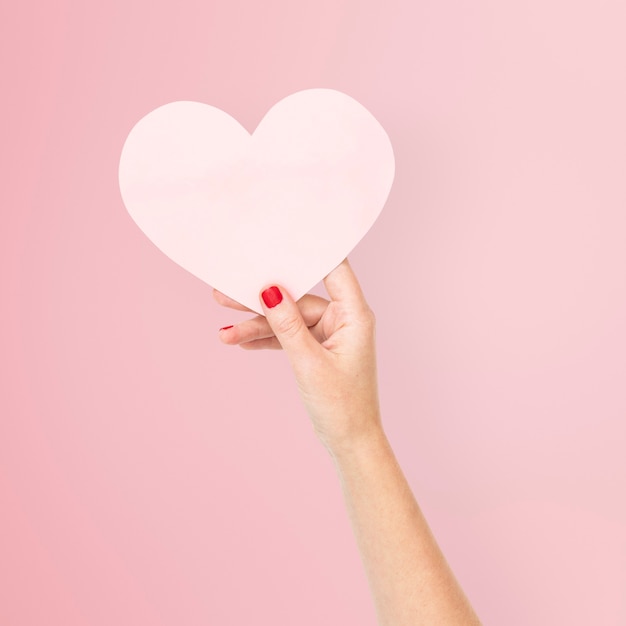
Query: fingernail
[
  {"x": 272, "y": 297},
  {"x": 226, "y": 327}
]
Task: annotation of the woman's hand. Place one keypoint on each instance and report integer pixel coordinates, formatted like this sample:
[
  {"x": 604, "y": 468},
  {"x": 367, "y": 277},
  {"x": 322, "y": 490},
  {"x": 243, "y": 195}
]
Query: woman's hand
[
  {"x": 330, "y": 346},
  {"x": 331, "y": 349}
]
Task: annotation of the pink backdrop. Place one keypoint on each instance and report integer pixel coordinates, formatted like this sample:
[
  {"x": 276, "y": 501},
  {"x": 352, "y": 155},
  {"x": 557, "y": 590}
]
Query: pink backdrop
[{"x": 151, "y": 475}]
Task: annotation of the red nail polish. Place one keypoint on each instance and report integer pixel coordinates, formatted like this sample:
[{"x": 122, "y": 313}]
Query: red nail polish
[
  {"x": 226, "y": 327},
  {"x": 272, "y": 297}
]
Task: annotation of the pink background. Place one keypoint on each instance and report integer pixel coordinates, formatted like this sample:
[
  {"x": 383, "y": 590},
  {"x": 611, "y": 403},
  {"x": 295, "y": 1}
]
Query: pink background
[{"x": 151, "y": 475}]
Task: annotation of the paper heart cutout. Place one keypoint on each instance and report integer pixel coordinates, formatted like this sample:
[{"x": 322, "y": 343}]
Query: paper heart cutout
[{"x": 284, "y": 205}]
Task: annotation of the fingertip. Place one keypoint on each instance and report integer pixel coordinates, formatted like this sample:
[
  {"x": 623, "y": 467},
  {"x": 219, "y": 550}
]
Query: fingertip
[
  {"x": 224, "y": 334},
  {"x": 342, "y": 284},
  {"x": 271, "y": 296}
]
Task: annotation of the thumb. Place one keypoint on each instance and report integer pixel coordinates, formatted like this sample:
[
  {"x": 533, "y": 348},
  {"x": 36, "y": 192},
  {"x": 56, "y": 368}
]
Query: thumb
[{"x": 285, "y": 319}]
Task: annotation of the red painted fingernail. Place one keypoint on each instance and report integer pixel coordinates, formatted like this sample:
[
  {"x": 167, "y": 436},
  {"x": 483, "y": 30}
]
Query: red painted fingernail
[
  {"x": 226, "y": 327},
  {"x": 272, "y": 297}
]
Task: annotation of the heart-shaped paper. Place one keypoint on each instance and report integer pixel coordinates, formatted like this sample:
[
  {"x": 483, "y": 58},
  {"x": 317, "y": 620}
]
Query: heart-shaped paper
[{"x": 284, "y": 205}]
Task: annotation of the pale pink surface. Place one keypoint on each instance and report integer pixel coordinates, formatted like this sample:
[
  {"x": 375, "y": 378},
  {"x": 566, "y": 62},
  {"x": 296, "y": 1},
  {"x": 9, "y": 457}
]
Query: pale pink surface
[
  {"x": 151, "y": 475},
  {"x": 234, "y": 208}
]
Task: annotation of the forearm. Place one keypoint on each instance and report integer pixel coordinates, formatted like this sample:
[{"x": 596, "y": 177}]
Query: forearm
[{"x": 409, "y": 578}]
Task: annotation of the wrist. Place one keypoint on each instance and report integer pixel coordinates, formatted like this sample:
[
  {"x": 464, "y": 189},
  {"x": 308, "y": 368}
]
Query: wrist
[{"x": 368, "y": 444}]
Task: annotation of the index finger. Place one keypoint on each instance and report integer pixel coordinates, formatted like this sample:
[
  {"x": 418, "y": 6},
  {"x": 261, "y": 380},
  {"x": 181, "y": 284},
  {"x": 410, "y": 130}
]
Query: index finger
[
  {"x": 343, "y": 286},
  {"x": 224, "y": 300}
]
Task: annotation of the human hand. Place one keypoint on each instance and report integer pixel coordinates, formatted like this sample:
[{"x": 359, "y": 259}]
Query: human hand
[{"x": 331, "y": 349}]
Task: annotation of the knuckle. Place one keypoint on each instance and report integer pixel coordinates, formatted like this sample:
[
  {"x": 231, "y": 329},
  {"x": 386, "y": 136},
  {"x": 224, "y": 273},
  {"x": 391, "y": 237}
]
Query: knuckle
[
  {"x": 288, "y": 326},
  {"x": 369, "y": 318}
]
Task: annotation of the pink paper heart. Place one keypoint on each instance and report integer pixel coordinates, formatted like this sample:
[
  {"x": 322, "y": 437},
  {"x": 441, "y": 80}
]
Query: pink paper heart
[{"x": 284, "y": 205}]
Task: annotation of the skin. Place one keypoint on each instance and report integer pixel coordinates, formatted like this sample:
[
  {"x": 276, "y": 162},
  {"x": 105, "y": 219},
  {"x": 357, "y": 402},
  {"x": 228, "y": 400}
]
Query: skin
[{"x": 331, "y": 349}]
